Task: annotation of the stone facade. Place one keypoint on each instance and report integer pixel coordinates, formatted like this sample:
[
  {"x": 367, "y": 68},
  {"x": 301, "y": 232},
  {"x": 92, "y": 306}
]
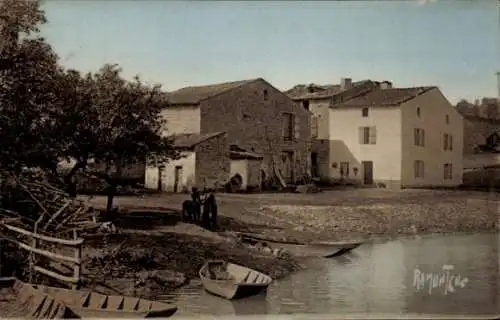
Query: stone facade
[
  {"x": 253, "y": 117},
  {"x": 212, "y": 162}
]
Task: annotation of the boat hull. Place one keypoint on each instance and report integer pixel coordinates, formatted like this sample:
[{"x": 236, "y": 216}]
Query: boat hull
[
  {"x": 242, "y": 282},
  {"x": 315, "y": 249},
  {"x": 92, "y": 304}
]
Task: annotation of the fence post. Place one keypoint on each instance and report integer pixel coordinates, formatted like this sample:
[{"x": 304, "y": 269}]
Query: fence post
[
  {"x": 77, "y": 266},
  {"x": 34, "y": 243}
]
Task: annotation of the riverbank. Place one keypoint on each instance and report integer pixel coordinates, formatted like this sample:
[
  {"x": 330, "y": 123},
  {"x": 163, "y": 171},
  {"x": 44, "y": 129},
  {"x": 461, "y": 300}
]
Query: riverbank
[
  {"x": 147, "y": 263},
  {"x": 181, "y": 249}
]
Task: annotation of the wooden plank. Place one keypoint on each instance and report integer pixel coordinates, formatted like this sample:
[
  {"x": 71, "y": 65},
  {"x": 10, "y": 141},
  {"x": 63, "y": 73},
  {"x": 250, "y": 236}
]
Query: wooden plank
[
  {"x": 76, "y": 267},
  {"x": 44, "y": 238},
  {"x": 45, "y": 253},
  {"x": 55, "y": 275}
]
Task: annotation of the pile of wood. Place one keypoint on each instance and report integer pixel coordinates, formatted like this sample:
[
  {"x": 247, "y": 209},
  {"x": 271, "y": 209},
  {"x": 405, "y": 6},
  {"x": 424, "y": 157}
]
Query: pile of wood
[{"x": 41, "y": 207}]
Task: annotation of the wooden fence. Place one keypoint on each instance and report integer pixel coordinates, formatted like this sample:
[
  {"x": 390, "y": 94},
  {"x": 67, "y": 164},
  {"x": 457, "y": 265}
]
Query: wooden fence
[{"x": 35, "y": 249}]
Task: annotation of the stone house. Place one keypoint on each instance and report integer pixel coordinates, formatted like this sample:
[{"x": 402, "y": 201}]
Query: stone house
[
  {"x": 398, "y": 137},
  {"x": 204, "y": 162},
  {"x": 317, "y": 99},
  {"x": 392, "y": 137},
  {"x": 257, "y": 118}
]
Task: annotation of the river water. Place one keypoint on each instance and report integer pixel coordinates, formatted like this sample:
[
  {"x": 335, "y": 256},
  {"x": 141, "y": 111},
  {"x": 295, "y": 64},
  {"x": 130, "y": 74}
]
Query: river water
[{"x": 394, "y": 277}]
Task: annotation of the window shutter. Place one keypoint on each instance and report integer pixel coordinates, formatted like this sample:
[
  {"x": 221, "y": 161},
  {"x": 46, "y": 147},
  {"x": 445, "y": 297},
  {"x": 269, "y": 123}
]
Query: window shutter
[
  {"x": 422, "y": 141},
  {"x": 415, "y": 136},
  {"x": 373, "y": 135},
  {"x": 296, "y": 127},
  {"x": 445, "y": 142},
  {"x": 415, "y": 169},
  {"x": 361, "y": 134},
  {"x": 451, "y": 142}
]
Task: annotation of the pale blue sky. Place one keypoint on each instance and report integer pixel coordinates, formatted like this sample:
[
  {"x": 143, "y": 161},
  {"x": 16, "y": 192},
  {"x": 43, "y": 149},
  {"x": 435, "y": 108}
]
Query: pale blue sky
[{"x": 454, "y": 44}]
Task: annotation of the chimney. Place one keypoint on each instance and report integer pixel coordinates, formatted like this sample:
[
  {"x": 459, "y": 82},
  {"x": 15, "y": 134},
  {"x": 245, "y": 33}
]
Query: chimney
[
  {"x": 386, "y": 85},
  {"x": 345, "y": 83}
]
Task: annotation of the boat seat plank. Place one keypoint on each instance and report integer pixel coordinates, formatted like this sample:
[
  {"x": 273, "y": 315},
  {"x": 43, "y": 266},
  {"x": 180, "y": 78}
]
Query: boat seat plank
[
  {"x": 247, "y": 276},
  {"x": 104, "y": 304},
  {"x": 47, "y": 308},
  {"x": 36, "y": 305},
  {"x": 96, "y": 300},
  {"x": 114, "y": 302},
  {"x": 85, "y": 299},
  {"x": 130, "y": 303}
]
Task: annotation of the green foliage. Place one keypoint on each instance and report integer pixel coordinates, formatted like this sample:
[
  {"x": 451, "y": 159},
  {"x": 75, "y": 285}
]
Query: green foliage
[{"x": 49, "y": 114}]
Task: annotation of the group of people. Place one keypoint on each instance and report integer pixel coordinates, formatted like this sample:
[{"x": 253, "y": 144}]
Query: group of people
[{"x": 192, "y": 209}]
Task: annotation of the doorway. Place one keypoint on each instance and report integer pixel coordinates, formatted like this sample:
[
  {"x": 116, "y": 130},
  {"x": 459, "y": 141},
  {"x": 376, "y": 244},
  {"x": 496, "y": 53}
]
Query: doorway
[
  {"x": 367, "y": 172},
  {"x": 314, "y": 165},
  {"x": 161, "y": 171},
  {"x": 177, "y": 178}
]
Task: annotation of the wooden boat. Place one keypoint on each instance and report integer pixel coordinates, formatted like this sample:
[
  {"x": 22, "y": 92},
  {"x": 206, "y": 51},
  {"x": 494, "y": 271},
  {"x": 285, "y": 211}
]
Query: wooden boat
[
  {"x": 231, "y": 281},
  {"x": 313, "y": 249},
  {"x": 87, "y": 304}
]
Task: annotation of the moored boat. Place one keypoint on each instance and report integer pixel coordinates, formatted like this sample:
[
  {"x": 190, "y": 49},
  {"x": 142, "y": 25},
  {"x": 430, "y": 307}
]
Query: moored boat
[
  {"x": 232, "y": 281},
  {"x": 313, "y": 249},
  {"x": 86, "y": 304}
]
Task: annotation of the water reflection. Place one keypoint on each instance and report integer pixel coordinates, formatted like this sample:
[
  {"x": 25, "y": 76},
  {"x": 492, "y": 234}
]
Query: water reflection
[{"x": 375, "y": 278}]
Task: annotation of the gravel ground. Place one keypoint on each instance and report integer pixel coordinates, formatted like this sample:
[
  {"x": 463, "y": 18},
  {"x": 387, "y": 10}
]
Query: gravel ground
[{"x": 346, "y": 214}]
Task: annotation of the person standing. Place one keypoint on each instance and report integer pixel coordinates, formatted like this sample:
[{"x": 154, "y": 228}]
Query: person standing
[
  {"x": 211, "y": 203},
  {"x": 196, "y": 204}
]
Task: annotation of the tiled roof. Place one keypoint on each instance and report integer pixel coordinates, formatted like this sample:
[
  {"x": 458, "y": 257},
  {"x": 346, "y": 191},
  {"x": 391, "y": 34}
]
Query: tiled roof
[
  {"x": 193, "y": 95},
  {"x": 312, "y": 91},
  {"x": 386, "y": 97},
  {"x": 190, "y": 140}
]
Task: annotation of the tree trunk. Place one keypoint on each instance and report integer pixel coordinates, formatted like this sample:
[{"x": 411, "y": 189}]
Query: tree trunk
[
  {"x": 111, "y": 194},
  {"x": 71, "y": 185}
]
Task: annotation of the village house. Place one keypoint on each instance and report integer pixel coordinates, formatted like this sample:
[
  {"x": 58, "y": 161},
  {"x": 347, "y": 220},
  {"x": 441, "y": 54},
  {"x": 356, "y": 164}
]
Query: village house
[
  {"x": 392, "y": 137},
  {"x": 317, "y": 99},
  {"x": 261, "y": 124},
  {"x": 203, "y": 162}
]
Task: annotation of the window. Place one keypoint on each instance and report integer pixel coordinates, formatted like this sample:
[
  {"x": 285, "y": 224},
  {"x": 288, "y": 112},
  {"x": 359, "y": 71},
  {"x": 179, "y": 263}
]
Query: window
[
  {"x": 344, "y": 169},
  {"x": 447, "y": 119},
  {"x": 448, "y": 171},
  {"x": 367, "y": 135},
  {"x": 364, "y": 112},
  {"x": 419, "y": 137},
  {"x": 447, "y": 142},
  {"x": 418, "y": 112},
  {"x": 314, "y": 127},
  {"x": 266, "y": 95},
  {"x": 305, "y": 104},
  {"x": 418, "y": 167},
  {"x": 288, "y": 126}
]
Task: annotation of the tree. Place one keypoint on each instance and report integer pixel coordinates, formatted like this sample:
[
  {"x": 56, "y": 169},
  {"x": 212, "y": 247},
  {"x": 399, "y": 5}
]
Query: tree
[
  {"x": 27, "y": 77},
  {"x": 112, "y": 121}
]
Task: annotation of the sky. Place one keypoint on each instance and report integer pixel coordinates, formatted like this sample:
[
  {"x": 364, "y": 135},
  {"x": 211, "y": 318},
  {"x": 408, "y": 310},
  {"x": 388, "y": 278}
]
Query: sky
[{"x": 453, "y": 44}]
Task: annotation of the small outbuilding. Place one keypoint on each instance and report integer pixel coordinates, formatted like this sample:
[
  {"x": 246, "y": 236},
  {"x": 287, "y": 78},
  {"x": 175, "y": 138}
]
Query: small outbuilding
[
  {"x": 204, "y": 163},
  {"x": 245, "y": 171}
]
